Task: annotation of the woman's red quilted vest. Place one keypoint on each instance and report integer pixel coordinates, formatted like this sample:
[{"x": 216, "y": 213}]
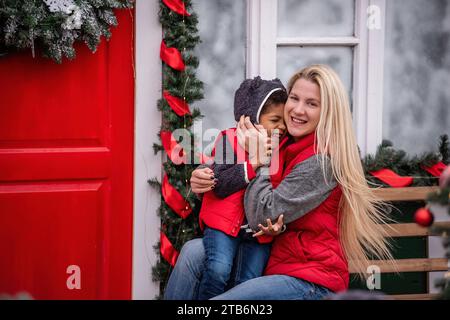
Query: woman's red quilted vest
[{"x": 310, "y": 249}]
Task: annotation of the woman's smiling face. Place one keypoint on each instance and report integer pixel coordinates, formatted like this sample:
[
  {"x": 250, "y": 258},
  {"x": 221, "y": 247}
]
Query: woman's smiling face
[{"x": 302, "y": 109}]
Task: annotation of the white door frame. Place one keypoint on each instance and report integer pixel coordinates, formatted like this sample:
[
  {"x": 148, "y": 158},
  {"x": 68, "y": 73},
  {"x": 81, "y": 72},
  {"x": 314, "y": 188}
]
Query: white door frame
[{"x": 146, "y": 222}]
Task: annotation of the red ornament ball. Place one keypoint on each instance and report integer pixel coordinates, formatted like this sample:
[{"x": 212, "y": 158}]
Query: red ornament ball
[{"x": 424, "y": 217}]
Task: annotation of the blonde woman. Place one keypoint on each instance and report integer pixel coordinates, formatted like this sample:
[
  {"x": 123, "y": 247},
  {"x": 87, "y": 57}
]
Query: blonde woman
[{"x": 331, "y": 215}]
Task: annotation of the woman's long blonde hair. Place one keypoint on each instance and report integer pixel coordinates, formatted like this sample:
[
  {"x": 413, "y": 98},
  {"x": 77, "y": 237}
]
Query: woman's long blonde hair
[{"x": 361, "y": 216}]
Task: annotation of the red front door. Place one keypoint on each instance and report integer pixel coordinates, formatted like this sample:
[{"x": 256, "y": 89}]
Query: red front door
[{"x": 66, "y": 172}]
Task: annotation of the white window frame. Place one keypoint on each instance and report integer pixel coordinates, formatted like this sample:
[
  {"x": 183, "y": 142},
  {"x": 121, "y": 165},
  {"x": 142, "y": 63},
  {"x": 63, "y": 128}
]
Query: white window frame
[{"x": 368, "y": 61}]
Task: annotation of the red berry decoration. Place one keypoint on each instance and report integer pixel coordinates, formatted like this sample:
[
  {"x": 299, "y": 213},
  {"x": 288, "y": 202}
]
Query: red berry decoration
[{"x": 424, "y": 217}]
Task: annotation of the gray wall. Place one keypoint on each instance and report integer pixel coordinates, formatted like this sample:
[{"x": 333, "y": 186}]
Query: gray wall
[{"x": 417, "y": 74}]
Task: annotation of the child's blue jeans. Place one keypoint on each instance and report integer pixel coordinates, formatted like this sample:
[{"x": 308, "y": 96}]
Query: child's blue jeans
[{"x": 230, "y": 261}]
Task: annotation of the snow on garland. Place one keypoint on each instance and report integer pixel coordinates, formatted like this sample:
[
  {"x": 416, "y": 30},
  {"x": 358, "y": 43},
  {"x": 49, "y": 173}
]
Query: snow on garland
[{"x": 50, "y": 27}]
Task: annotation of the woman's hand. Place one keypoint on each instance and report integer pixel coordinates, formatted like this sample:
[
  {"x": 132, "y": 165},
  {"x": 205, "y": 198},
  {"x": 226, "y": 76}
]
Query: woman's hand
[
  {"x": 202, "y": 180},
  {"x": 254, "y": 139},
  {"x": 271, "y": 229}
]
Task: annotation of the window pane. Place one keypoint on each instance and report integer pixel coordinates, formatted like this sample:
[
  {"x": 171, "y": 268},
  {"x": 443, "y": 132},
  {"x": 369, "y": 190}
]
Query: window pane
[
  {"x": 292, "y": 59},
  {"x": 417, "y": 74},
  {"x": 222, "y": 30},
  {"x": 312, "y": 18}
]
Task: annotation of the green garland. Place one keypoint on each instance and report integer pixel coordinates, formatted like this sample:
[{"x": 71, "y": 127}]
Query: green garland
[
  {"x": 29, "y": 24},
  {"x": 180, "y": 33},
  {"x": 387, "y": 157}
]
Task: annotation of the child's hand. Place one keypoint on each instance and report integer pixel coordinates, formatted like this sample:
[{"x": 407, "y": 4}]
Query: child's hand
[{"x": 271, "y": 229}]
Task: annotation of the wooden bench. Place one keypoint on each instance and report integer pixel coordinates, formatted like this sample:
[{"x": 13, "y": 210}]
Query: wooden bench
[{"x": 410, "y": 230}]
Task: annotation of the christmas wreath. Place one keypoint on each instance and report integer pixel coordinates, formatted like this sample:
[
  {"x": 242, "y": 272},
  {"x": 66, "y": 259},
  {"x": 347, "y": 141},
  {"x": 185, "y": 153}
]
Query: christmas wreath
[{"x": 50, "y": 27}]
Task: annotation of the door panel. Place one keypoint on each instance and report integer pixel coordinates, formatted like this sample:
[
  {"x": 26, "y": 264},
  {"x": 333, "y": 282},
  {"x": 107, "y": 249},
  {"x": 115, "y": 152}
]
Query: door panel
[{"x": 66, "y": 171}]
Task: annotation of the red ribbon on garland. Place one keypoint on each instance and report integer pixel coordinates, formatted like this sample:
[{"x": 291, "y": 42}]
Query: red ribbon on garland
[
  {"x": 173, "y": 149},
  {"x": 174, "y": 199},
  {"x": 169, "y": 253},
  {"x": 392, "y": 179},
  {"x": 176, "y": 6},
  {"x": 172, "y": 57},
  {"x": 435, "y": 170},
  {"x": 180, "y": 107}
]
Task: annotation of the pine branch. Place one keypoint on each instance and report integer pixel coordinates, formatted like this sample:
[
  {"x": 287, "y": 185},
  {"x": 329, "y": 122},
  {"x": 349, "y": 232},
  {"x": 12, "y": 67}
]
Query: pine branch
[
  {"x": 444, "y": 148},
  {"x": 154, "y": 183},
  {"x": 157, "y": 148},
  {"x": 30, "y": 24}
]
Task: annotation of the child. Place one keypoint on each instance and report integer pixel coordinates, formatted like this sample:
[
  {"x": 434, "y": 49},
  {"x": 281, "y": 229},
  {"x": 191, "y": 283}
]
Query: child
[{"x": 226, "y": 237}]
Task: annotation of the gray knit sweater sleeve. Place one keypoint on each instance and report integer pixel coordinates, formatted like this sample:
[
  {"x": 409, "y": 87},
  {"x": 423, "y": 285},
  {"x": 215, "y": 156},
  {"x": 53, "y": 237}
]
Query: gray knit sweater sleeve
[
  {"x": 301, "y": 191},
  {"x": 231, "y": 175}
]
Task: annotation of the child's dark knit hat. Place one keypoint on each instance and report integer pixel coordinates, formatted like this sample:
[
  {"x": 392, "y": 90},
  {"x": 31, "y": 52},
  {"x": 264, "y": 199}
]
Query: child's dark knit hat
[{"x": 251, "y": 96}]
